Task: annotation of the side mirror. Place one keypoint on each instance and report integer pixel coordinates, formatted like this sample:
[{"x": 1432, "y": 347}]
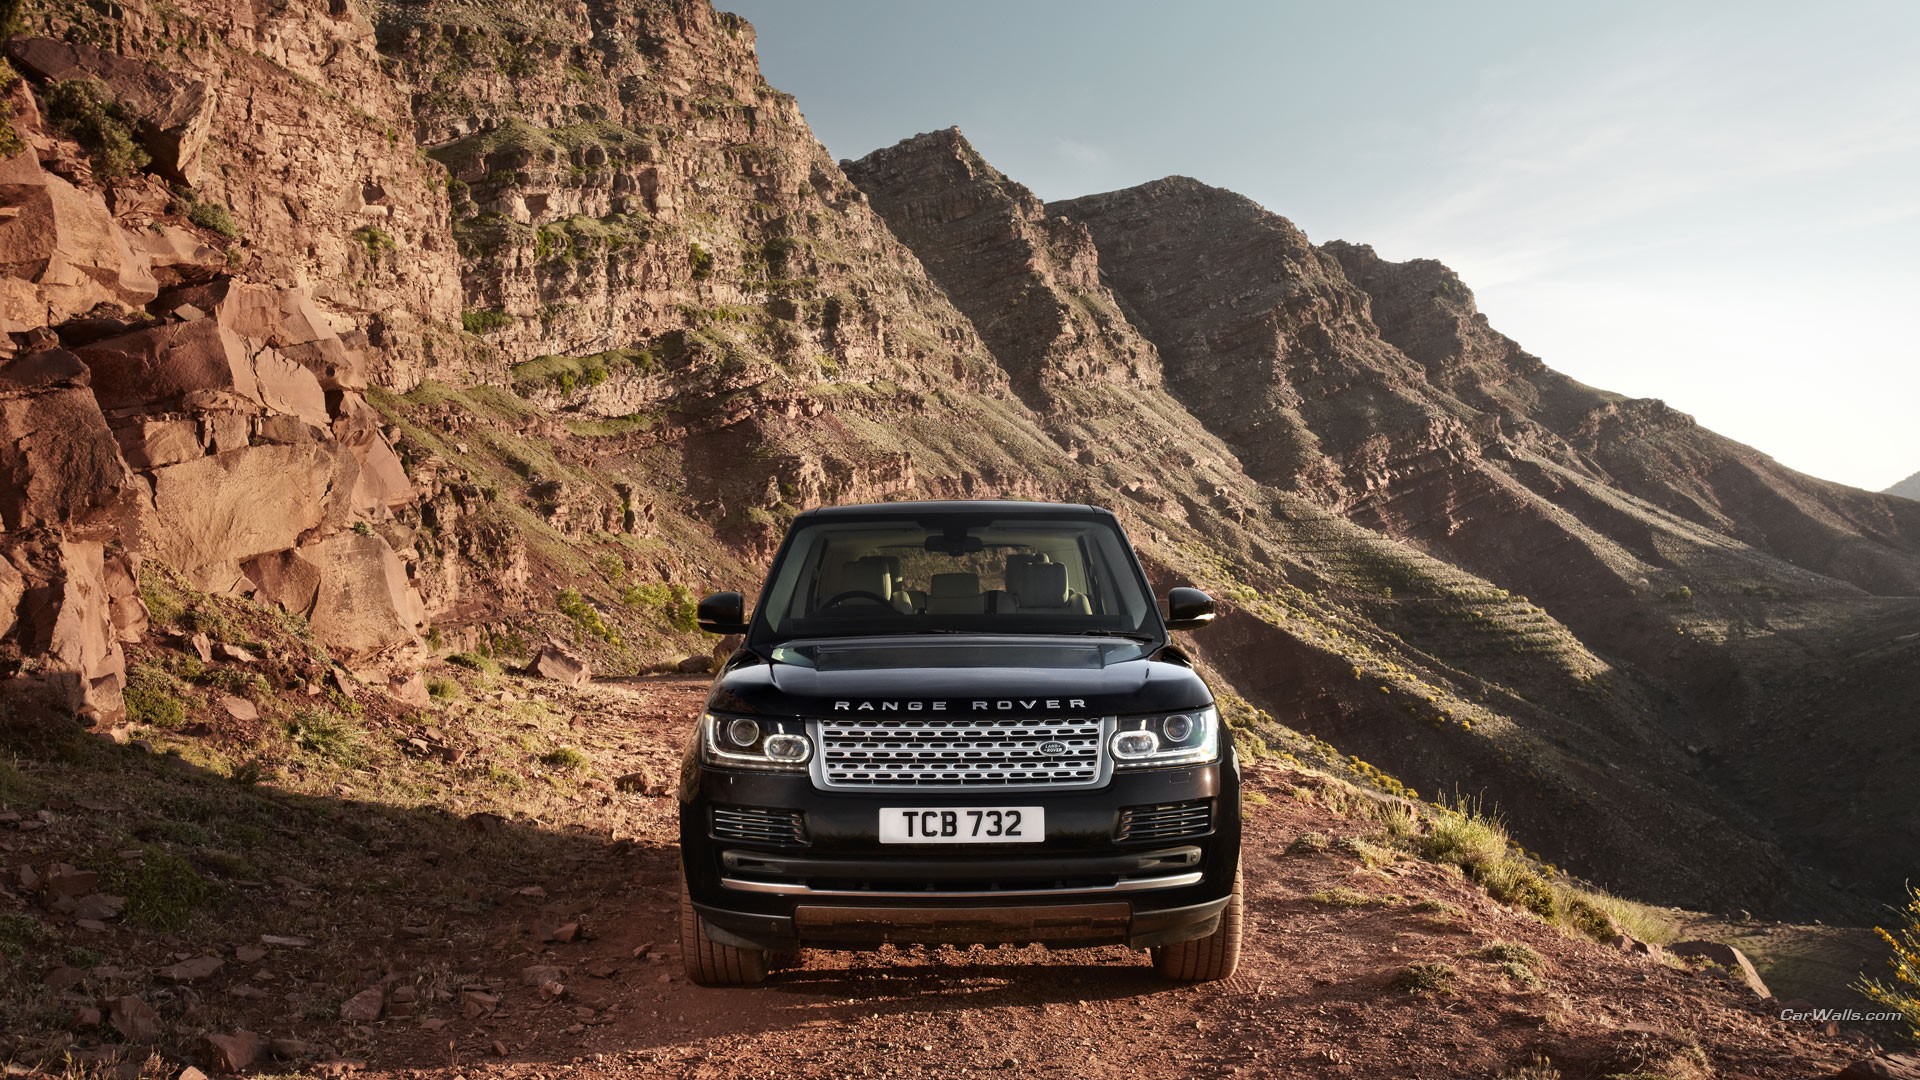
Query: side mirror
[
  {"x": 723, "y": 613},
  {"x": 1188, "y": 609}
]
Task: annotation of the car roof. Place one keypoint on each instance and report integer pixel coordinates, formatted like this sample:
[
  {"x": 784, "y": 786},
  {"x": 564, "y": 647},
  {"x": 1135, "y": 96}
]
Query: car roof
[{"x": 936, "y": 507}]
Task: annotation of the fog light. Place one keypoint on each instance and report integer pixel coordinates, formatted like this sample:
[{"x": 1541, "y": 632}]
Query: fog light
[
  {"x": 787, "y": 748},
  {"x": 1177, "y": 727},
  {"x": 1135, "y": 744},
  {"x": 743, "y": 732}
]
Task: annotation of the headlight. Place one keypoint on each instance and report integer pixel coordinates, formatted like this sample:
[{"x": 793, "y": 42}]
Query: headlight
[
  {"x": 1183, "y": 738},
  {"x": 743, "y": 743}
]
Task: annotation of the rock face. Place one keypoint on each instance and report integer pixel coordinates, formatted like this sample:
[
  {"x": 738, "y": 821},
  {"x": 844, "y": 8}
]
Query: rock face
[
  {"x": 210, "y": 424},
  {"x": 174, "y": 113}
]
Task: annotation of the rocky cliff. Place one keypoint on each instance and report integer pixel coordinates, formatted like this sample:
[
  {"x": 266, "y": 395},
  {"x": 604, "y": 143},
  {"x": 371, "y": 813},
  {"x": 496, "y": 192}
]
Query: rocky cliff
[{"x": 447, "y": 326}]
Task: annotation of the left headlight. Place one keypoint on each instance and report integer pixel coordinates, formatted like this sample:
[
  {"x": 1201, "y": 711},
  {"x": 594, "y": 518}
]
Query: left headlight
[
  {"x": 1190, "y": 737},
  {"x": 755, "y": 742}
]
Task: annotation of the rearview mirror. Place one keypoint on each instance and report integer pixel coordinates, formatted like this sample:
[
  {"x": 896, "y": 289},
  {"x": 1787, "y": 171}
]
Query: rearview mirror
[
  {"x": 1188, "y": 609},
  {"x": 723, "y": 613}
]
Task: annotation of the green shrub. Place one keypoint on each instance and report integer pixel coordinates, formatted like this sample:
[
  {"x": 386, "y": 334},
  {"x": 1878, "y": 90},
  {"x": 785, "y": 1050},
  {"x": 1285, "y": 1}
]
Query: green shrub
[
  {"x": 18, "y": 931},
  {"x": 163, "y": 890},
  {"x": 14, "y": 785},
  {"x": 1902, "y": 994},
  {"x": 1425, "y": 977},
  {"x": 375, "y": 241},
  {"x": 485, "y": 321},
  {"x": 1310, "y": 843},
  {"x": 441, "y": 689},
  {"x": 1681, "y": 595},
  {"x": 214, "y": 217},
  {"x": 673, "y": 601},
  {"x": 701, "y": 261},
  {"x": 1503, "y": 952},
  {"x": 586, "y": 616},
  {"x": 10, "y": 141},
  {"x": 565, "y": 759},
  {"x": 84, "y": 111},
  {"x": 325, "y": 734},
  {"x": 153, "y": 698}
]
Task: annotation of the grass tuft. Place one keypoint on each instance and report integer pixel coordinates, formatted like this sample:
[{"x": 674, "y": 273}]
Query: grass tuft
[{"x": 1425, "y": 977}]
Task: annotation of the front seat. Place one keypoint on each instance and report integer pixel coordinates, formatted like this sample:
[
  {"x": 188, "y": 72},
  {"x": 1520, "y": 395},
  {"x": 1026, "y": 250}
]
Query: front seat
[
  {"x": 904, "y": 599},
  {"x": 1043, "y": 587},
  {"x": 869, "y": 577}
]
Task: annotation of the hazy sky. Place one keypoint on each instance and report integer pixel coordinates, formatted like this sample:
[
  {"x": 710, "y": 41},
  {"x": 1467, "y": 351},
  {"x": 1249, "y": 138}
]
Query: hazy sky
[{"x": 1714, "y": 204}]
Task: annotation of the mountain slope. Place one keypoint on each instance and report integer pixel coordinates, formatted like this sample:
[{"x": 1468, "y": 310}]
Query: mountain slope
[
  {"x": 1906, "y": 489},
  {"x": 678, "y": 323}
]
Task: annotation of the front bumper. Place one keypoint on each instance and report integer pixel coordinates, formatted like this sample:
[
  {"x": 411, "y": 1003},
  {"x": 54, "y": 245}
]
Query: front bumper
[{"x": 838, "y": 887}]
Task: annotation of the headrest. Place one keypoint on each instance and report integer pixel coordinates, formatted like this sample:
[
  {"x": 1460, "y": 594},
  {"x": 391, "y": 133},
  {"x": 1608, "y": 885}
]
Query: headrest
[
  {"x": 1038, "y": 583},
  {"x": 949, "y": 586},
  {"x": 864, "y": 576},
  {"x": 891, "y": 562}
]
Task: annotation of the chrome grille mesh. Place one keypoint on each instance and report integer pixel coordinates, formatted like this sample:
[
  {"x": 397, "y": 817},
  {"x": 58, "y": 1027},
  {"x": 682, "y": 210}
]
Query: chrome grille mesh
[
  {"x": 971, "y": 752},
  {"x": 759, "y": 825},
  {"x": 1167, "y": 821}
]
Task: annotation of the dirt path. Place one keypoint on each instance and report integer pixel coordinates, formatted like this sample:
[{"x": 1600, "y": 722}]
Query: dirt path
[{"x": 1315, "y": 995}]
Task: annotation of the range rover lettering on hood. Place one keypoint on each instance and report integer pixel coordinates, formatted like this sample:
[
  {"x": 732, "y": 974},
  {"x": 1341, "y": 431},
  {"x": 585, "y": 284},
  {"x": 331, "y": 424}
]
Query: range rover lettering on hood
[{"x": 977, "y": 705}]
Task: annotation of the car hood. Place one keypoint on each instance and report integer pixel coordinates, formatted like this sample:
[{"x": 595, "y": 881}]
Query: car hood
[{"x": 959, "y": 675}]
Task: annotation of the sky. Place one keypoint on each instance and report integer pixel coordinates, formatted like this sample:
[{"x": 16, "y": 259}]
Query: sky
[{"x": 1716, "y": 204}]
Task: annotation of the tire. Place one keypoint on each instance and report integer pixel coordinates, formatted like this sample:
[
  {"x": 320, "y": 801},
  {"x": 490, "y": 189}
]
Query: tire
[
  {"x": 709, "y": 963},
  {"x": 1210, "y": 958}
]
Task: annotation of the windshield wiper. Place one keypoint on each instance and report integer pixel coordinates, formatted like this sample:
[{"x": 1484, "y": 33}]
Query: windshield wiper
[{"x": 1128, "y": 634}]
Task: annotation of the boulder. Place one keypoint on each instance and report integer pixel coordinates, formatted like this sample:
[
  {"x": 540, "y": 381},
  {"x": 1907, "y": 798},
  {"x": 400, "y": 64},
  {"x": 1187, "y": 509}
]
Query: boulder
[
  {"x": 174, "y": 113},
  {"x": 286, "y": 578},
  {"x": 173, "y": 254},
  {"x": 560, "y": 665},
  {"x": 174, "y": 361},
  {"x": 65, "y": 618},
  {"x": 381, "y": 483},
  {"x": 59, "y": 463},
  {"x": 233, "y": 1053},
  {"x": 363, "y": 1007},
  {"x": 208, "y": 515},
  {"x": 1727, "y": 957},
  {"x": 151, "y": 443},
  {"x": 134, "y": 1019},
  {"x": 61, "y": 253},
  {"x": 285, "y": 319},
  {"x": 364, "y": 604}
]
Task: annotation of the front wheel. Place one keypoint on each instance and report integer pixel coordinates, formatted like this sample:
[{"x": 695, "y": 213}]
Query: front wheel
[
  {"x": 709, "y": 963},
  {"x": 1210, "y": 958}
]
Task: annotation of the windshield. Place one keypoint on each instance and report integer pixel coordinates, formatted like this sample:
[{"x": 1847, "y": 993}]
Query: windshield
[{"x": 955, "y": 573}]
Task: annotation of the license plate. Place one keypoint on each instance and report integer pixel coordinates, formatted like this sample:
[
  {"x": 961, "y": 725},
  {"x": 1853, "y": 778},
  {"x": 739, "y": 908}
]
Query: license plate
[{"x": 963, "y": 825}]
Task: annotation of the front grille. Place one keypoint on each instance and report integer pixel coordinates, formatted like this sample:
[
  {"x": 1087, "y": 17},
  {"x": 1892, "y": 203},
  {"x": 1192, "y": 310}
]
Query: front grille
[
  {"x": 1167, "y": 821},
  {"x": 951, "y": 752},
  {"x": 758, "y": 825}
]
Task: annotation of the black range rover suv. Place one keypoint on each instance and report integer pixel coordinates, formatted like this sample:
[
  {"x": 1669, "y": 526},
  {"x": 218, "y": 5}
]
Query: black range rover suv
[{"x": 958, "y": 722}]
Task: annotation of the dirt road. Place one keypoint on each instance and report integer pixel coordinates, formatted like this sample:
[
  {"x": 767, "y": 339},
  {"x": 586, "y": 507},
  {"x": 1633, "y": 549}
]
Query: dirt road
[{"x": 1317, "y": 994}]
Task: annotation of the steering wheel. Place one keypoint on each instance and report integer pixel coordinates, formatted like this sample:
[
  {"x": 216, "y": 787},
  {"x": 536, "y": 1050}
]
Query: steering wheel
[{"x": 854, "y": 594}]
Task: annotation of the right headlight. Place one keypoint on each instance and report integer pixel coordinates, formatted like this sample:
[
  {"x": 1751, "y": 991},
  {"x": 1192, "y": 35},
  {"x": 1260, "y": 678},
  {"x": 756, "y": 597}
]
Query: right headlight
[
  {"x": 755, "y": 742},
  {"x": 1189, "y": 737}
]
